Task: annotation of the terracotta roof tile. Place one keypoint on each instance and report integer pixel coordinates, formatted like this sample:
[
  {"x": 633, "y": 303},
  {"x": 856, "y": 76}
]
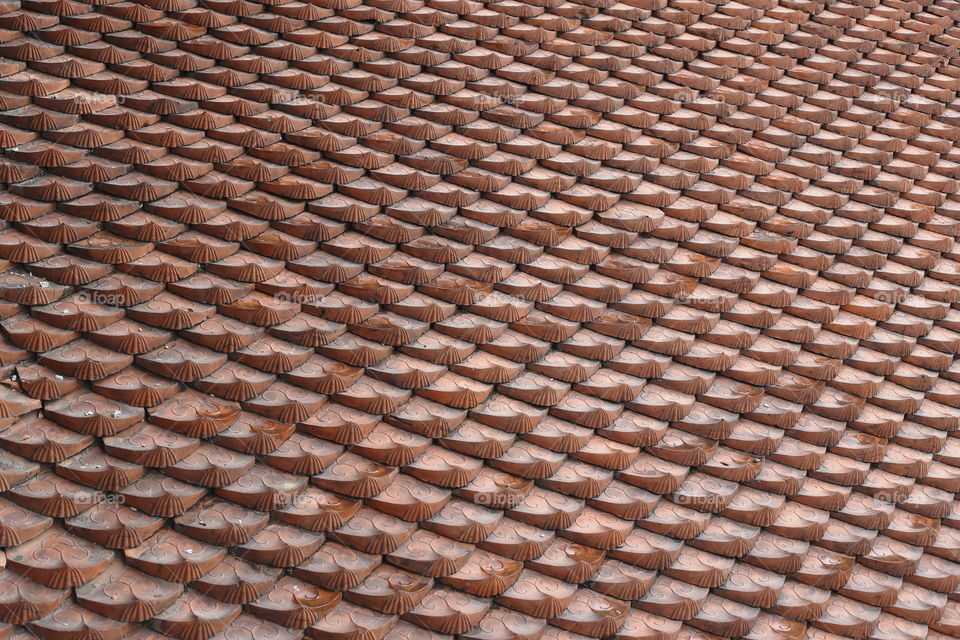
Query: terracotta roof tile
[{"x": 529, "y": 319}]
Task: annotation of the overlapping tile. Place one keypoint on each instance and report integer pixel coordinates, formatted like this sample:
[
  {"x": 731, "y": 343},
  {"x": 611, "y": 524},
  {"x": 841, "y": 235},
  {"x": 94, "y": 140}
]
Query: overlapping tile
[{"x": 499, "y": 320}]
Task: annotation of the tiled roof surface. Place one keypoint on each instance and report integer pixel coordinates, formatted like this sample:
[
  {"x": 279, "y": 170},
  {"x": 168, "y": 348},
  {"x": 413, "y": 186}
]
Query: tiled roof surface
[{"x": 508, "y": 320}]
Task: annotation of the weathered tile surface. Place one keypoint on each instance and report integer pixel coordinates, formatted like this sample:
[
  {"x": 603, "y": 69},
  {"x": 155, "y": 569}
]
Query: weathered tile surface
[{"x": 508, "y": 320}]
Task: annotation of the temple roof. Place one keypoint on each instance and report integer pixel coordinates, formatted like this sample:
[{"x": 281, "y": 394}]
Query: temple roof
[{"x": 508, "y": 320}]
